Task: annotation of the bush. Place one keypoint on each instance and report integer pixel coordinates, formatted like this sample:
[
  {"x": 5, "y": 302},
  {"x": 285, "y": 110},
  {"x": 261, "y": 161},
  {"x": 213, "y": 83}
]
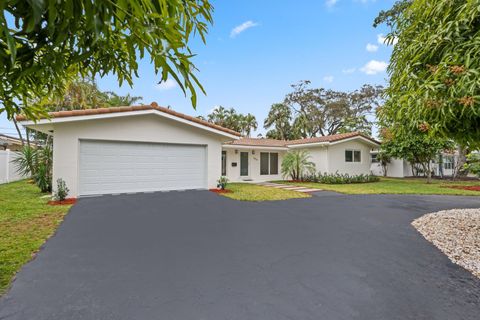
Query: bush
[
  {"x": 36, "y": 162},
  {"x": 222, "y": 182},
  {"x": 62, "y": 190},
  {"x": 339, "y": 178}
]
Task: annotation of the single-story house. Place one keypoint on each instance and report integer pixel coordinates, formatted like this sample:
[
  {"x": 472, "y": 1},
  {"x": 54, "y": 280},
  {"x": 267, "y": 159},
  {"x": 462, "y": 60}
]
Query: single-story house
[
  {"x": 152, "y": 148},
  {"x": 10, "y": 143}
]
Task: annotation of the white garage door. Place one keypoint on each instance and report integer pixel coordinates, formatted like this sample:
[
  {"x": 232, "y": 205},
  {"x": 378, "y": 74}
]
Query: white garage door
[{"x": 118, "y": 167}]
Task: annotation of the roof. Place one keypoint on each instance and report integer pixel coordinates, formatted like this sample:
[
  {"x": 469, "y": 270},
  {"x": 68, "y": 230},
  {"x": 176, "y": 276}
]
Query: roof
[
  {"x": 258, "y": 142},
  {"x": 152, "y": 106},
  {"x": 14, "y": 139},
  {"x": 261, "y": 142},
  {"x": 331, "y": 138}
]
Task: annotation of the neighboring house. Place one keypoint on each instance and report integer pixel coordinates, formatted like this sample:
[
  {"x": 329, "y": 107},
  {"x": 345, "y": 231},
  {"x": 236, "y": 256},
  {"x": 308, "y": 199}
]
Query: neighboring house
[
  {"x": 152, "y": 148},
  {"x": 10, "y": 143},
  {"x": 250, "y": 159}
]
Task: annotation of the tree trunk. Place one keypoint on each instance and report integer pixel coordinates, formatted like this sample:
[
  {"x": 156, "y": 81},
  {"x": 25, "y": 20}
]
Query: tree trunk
[
  {"x": 462, "y": 159},
  {"x": 429, "y": 173},
  {"x": 18, "y": 131}
]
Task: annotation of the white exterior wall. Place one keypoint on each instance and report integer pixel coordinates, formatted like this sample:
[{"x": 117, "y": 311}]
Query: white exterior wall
[
  {"x": 336, "y": 158},
  {"x": 397, "y": 168},
  {"x": 8, "y": 169},
  {"x": 142, "y": 128},
  {"x": 233, "y": 173}
]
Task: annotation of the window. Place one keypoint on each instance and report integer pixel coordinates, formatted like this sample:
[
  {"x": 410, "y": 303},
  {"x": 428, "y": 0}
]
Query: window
[
  {"x": 268, "y": 163},
  {"x": 353, "y": 156},
  {"x": 374, "y": 158},
  {"x": 263, "y": 163},
  {"x": 273, "y": 163},
  {"x": 224, "y": 163},
  {"x": 448, "y": 162}
]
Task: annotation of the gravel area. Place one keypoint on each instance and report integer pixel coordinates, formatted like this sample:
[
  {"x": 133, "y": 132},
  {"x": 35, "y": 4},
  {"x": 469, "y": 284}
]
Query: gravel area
[{"x": 456, "y": 233}]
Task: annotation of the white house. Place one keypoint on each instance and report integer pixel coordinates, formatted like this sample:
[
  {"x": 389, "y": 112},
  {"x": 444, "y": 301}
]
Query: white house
[{"x": 151, "y": 148}]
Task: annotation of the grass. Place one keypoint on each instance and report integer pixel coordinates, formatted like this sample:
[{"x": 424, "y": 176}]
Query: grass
[
  {"x": 396, "y": 186},
  {"x": 251, "y": 192},
  {"x": 26, "y": 222}
]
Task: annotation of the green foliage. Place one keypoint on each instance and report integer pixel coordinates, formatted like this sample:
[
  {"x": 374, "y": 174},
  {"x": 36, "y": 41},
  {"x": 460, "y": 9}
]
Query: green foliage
[
  {"x": 473, "y": 164},
  {"x": 416, "y": 147},
  {"x": 297, "y": 164},
  {"x": 318, "y": 111},
  {"x": 50, "y": 41},
  {"x": 222, "y": 182},
  {"x": 26, "y": 160},
  {"x": 384, "y": 159},
  {"x": 339, "y": 178},
  {"x": 279, "y": 116},
  {"x": 36, "y": 162},
  {"x": 115, "y": 100},
  {"x": 62, "y": 190},
  {"x": 390, "y": 16},
  {"x": 435, "y": 70},
  {"x": 229, "y": 118}
]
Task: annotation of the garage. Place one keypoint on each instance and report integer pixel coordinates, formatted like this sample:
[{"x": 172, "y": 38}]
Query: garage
[{"x": 119, "y": 167}]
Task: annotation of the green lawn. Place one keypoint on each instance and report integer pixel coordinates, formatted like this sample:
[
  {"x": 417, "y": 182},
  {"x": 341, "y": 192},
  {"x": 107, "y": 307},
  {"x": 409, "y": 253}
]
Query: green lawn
[
  {"x": 395, "y": 186},
  {"x": 251, "y": 192},
  {"x": 26, "y": 222}
]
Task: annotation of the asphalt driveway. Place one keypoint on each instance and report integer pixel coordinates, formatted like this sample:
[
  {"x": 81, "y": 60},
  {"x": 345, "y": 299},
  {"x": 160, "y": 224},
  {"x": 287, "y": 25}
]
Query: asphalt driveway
[{"x": 197, "y": 255}]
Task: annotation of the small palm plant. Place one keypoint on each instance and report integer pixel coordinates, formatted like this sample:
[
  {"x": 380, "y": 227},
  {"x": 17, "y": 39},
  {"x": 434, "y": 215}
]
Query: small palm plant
[{"x": 296, "y": 164}]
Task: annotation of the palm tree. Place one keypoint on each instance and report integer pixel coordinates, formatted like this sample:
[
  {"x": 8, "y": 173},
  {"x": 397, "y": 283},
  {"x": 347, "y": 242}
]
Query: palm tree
[
  {"x": 279, "y": 117},
  {"x": 248, "y": 123},
  {"x": 296, "y": 164},
  {"x": 116, "y": 100}
]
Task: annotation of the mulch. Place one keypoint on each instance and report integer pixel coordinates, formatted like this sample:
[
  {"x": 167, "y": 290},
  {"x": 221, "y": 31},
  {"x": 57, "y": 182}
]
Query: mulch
[
  {"x": 221, "y": 190},
  {"x": 471, "y": 188},
  {"x": 62, "y": 202}
]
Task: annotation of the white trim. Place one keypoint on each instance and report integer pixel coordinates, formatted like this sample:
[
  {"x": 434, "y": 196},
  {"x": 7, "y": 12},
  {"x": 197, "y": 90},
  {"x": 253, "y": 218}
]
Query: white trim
[
  {"x": 28, "y": 123},
  {"x": 308, "y": 145},
  {"x": 356, "y": 137},
  {"x": 327, "y": 143},
  {"x": 244, "y": 147}
]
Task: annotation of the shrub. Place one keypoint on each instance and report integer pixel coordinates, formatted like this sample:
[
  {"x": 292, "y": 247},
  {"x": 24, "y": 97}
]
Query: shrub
[
  {"x": 296, "y": 164},
  {"x": 36, "y": 162},
  {"x": 62, "y": 190},
  {"x": 345, "y": 178},
  {"x": 473, "y": 164},
  {"x": 222, "y": 182}
]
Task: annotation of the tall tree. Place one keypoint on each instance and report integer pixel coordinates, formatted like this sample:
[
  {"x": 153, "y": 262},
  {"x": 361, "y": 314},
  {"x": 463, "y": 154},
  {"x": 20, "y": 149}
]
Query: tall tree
[
  {"x": 279, "y": 117},
  {"x": 229, "y": 118},
  {"x": 44, "y": 42},
  {"x": 434, "y": 71},
  {"x": 116, "y": 100},
  {"x": 325, "y": 112}
]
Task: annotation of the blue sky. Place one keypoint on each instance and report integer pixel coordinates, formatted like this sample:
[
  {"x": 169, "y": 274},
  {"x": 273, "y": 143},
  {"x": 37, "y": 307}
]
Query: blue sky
[{"x": 256, "y": 49}]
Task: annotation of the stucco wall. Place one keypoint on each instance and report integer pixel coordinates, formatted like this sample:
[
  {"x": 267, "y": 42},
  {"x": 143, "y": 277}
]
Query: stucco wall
[
  {"x": 397, "y": 168},
  {"x": 142, "y": 128},
  {"x": 233, "y": 173},
  {"x": 336, "y": 158}
]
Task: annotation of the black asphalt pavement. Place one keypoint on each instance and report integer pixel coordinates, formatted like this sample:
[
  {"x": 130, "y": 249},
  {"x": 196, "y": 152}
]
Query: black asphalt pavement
[{"x": 197, "y": 255}]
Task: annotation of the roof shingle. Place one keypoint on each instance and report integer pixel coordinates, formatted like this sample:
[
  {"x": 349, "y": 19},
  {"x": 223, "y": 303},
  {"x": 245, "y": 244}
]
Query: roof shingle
[{"x": 153, "y": 106}]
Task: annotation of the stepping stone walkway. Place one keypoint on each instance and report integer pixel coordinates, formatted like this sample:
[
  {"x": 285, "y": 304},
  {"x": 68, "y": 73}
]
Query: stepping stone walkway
[{"x": 287, "y": 187}]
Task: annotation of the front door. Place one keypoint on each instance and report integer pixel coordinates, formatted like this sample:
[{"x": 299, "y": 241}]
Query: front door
[{"x": 243, "y": 164}]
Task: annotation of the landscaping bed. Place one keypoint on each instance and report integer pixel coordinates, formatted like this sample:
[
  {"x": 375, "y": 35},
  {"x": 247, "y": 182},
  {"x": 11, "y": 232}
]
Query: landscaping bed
[
  {"x": 26, "y": 222},
  {"x": 398, "y": 186},
  {"x": 252, "y": 192},
  {"x": 456, "y": 233}
]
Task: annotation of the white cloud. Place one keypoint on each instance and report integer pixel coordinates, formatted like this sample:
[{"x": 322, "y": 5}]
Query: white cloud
[
  {"x": 374, "y": 67},
  {"x": 328, "y": 79},
  {"x": 166, "y": 85},
  {"x": 371, "y": 47},
  {"x": 330, "y": 3},
  {"x": 240, "y": 28},
  {"x": 349, "y": 70},
  {"x": 381, "y": 39}
]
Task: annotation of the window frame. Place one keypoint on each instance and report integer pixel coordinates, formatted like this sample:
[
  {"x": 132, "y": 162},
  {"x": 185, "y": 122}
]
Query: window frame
[
  {"x": 353, "y": 151},
  {"x": 269, "y": 163}
]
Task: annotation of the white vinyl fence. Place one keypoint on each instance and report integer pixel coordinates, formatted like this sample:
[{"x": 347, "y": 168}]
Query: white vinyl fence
[{"x": 8, "y": 170}]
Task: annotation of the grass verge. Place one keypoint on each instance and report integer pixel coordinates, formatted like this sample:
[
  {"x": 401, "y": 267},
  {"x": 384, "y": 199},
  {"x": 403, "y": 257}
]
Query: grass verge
[
  {"x": 252, "y": 192},
  {"x": 396, "y": 186},
  {"x": 26, "y": 222}
]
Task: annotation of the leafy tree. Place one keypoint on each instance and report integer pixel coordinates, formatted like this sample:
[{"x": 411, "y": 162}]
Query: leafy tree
[
  {"x": 390, "y": 16},
  {"x": 296, "y": 164},
  {"x": 325, "y": 112},
  {"x": 229, "y": 118},
  {"x": 279, "y": 117},
  {"x": 384, "y": 159},
  {"x": 416, "y": 147},
  {"x": 473, "y": 164},
  {"x": 434, "y": 71},
  {"x": 42, "y": 43}
]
